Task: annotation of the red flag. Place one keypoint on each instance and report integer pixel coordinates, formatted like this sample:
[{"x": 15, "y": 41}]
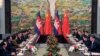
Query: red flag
[
  {"x": 65, "y": 26},
  {"x": 48, "y": 26}
]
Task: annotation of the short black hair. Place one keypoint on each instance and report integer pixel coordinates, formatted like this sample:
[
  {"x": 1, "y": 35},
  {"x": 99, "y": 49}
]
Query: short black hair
[
  {"x": 93, "y": 36},
  {"x": 14, "y": 36},
  {"x": 84, "y": 36},
  {"x": 2, "y": 43},
  {"x": 8, "y": 38},
  {"x": 85, "y": 31}
]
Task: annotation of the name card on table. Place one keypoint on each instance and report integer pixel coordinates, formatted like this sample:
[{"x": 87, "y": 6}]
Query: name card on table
[
  {"x": 92, "y": 53},
  {"x": 20, "y": 54}
]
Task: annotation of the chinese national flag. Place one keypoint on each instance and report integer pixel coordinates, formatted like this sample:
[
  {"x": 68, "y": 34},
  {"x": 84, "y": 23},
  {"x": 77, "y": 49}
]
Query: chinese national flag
[
  {"x": 65, "y": 26},
  {"x": 47, "y": 26}
]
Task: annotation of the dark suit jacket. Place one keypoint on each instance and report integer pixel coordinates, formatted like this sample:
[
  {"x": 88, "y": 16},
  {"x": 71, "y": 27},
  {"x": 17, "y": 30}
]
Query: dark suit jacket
[
  {"x": 79, "y": 37},
  {"x": 87, "y": 43},
  {"x": 10, "y": 47},
  {"x": 24, "y": 38},
  {"x": 16, "y": 45},
  {"x": 4, "y": 52},
  {"x": 75, "y": 34},
  {"x": 19, "y": 40},
  {"x": 95, "y": 47}
]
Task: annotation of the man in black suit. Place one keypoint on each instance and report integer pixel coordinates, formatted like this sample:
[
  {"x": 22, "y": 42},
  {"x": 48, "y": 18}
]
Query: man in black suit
[
  {"x": 3, "y": 50},
  {"x": 86, "y": 41},
  {"x": 10, "y": 46},
  {"x": 19, "y": 38},
  {"x": 95, "y": 45}
]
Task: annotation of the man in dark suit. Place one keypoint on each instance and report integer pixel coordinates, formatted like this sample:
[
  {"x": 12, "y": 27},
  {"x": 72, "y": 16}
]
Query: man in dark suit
[
  {"x": 10, "y": 46},
  {"x": 74, "y": 32},
  {"x": 86, "y": 41},
  {"x": 79, "y": 35},
  {"x": 95, "y": 45},
  {"x": 3, "y": 50},
  {"x": 19, "y": 38},
  {"x": 24, "y": 36}
]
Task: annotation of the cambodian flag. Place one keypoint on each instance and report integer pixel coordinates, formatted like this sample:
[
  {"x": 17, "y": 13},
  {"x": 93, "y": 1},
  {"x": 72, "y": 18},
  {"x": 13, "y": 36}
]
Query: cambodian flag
[
  {"x": 57, "y": 26},
  {"x": 38, "y": 27}
]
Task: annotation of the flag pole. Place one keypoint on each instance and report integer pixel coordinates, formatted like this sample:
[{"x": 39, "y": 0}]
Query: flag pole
[
  {"x": 41, "y": 6},
  {"x": 52, "y": 7}
]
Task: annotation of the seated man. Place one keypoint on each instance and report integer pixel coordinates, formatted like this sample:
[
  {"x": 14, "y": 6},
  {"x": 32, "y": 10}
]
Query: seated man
[
  {"x": 95, "y": 45},
  {"x": 10, "y": 46},
  {"x": 19, "y": 38},
  {"x": 14, "y": 42},
  {"x": 3, "y": 50},
  {"x": 86, "y": 41}
]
